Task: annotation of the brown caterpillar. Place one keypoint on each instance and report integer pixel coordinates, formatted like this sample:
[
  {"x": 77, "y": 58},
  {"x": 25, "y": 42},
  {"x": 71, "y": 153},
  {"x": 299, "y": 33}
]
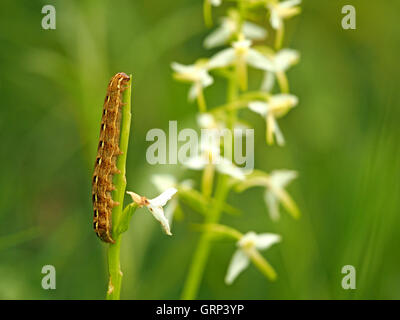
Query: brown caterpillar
[{"x": 108, "y": 150}]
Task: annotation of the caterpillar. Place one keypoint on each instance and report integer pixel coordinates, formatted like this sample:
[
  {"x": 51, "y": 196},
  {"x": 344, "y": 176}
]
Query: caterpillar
[{"x": 107, "y": 153}]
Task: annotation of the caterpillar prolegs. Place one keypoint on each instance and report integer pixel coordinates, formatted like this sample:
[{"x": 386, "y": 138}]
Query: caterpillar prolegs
[{"x": 107, "y": 153}]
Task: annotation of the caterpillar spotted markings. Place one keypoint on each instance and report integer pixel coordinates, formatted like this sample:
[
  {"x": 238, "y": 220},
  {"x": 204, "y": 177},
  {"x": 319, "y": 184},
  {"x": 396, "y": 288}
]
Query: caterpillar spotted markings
[{"x": 107, "y": 153}]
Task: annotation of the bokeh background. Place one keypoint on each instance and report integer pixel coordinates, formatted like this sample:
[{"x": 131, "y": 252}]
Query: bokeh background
[{"x": 343, "y": 139}]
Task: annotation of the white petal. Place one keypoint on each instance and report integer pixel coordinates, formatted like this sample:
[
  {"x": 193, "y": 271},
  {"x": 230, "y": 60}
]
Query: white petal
[
  {"x": 158, "y": 214},
  {"x": 253, "y": 31},
  {"x": 206, "y": 120},
  {"x": 281, "y": 178},
  {"x": 275, "y": 20},
  {"x": 284, "y": 98},
  {"x": 215, "y": 3},
  {"x": 210, "y": 142},
  {"x": 163, "y": 181},
  {"x": 180, "y": 68},
  {"x": 266, "y": 240},
  {"x": 196, "y": 163},
  {"x": 280, "y": 140},
  {"x": 226, "y": 166},
  {"x": 205, "y": 79},
  {"x": 193, "y": 92},
  {"x": 280, "y": 104},
  {"x": 258, "y": 60},
  {"x": 194, "y": 73},
  {"x": 222, "y": 59},
  {"x": 162, "y": 199},
  {"x": 259, "y": 107},
  {"x": 242, "y": 45},
  {"x": 238, "y": 263},
  {"x": 248, "y": 240},
  {"x": 170, "y": 210},
  {"x": 289, "y": 3},
  {"x": 217, "y": 38},
  {"x": 286, "y": 58},
  {"x": 272, "y": 204},
  {"x": 268, "y": 81}
]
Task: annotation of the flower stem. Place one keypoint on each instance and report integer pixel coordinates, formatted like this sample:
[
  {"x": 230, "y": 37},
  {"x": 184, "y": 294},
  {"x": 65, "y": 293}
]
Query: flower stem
[
  {"x": 283, "y": 82},
  {"x": 114, "y": 268},
  {"x": 208, "y": 180},
  {"x": 279, "y": 37},
  {"x": 200, "y": 257},
  {"x": 207, "y": 12},
  {"x": 201, "y": 101}
]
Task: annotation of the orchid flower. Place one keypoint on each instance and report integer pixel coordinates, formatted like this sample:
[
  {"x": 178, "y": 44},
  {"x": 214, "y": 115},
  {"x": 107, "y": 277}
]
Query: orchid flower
[
  {"x": 197, "y": 74},
  {"x": 280, "y": 62},
  {"x": 240, "y": 54},
  {"x": 277, "y": 106},
  {"x": 248, "y": 246},
  {"x": 275, "y": 192},
  {"x": 230, "y": 26},
  {"x": 209, "y": 153},
  {"x": 155, "y": 206},
  {"x": 282, "y": 10}
]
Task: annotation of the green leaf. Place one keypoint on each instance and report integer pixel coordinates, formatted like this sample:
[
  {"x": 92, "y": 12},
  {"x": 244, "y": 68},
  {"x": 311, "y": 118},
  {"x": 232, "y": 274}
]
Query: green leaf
[{"x": 126, "y": 217}]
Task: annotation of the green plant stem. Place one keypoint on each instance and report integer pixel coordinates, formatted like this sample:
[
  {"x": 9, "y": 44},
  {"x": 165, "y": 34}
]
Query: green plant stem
[
  {"x": 114, "y": 266},
  {"x": 114, "y": 270},
  {"x": 232, "y": 95},
  {"x": 207, "y": 12},
  {"x": 208, "y": 180},
  {"x": 283, "y": 82},
  {"x": 201, "y": 101},
  {"x": 279, "y": 37},
  {"x": 242, "y": 101},
  {"x": 200, "y": 257}
]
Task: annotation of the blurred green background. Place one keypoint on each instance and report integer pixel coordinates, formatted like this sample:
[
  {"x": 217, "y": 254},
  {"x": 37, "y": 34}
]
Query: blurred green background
[{"x": 343, "y": 139}]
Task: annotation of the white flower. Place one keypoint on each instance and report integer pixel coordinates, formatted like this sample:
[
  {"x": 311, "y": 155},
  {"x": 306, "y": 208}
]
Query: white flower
[
  {"x": 280, "y": 62},
  {"x": 156, "y": 206},
  {"x": 277, "y": 106},
  {"x": 209, "y": 153},
  {"x": 196, "y": 74},
  {"x": 282, "y": 10},
  {"x": 246, "y": 245},
  {"x": 275, "y": 192},
  {"x": 240, "y": 54},
  {"x": 229, "y": 27},
  {"x": 240, "y": 51}
]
